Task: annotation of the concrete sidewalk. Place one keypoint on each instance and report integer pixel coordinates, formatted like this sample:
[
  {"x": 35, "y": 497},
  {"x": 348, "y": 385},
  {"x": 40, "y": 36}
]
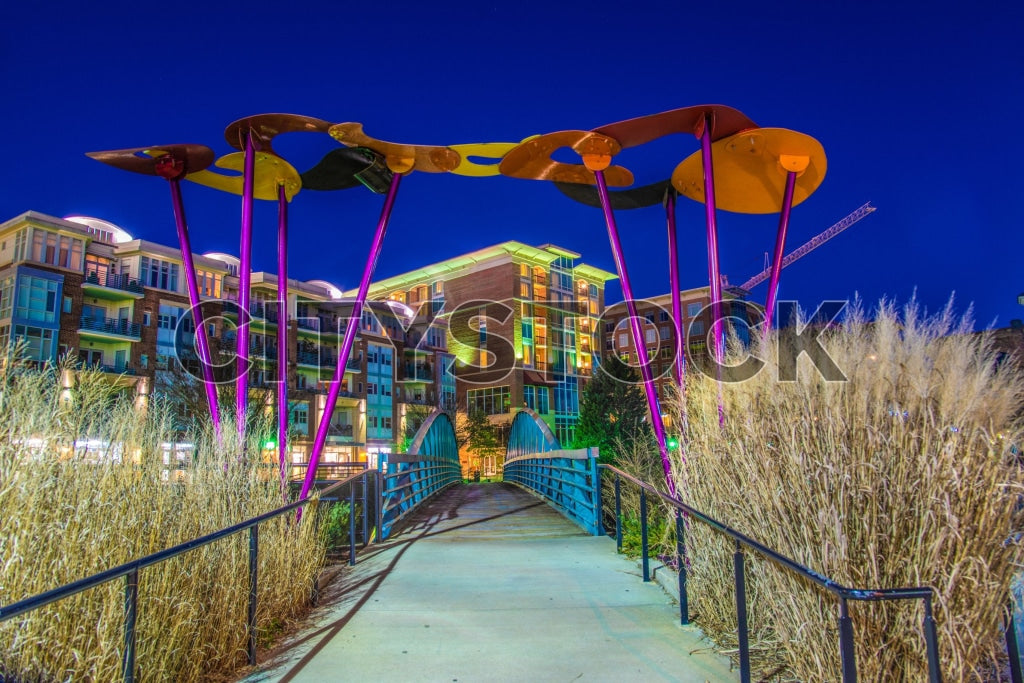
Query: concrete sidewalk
[{"x": 488, "y": 583}]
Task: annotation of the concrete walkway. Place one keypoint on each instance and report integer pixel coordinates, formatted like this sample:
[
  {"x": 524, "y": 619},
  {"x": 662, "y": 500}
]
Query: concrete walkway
[{"x": 488, "y": 583}]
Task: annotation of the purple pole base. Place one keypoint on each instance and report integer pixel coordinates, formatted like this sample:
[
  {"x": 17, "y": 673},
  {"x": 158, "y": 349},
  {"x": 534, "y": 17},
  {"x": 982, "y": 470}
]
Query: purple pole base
[
  {"x": 351, "y": 328},
  {"x": 638, "y": 337},
  {"x": 780, "y": 245},
  {"x": 192, "y": 285}
]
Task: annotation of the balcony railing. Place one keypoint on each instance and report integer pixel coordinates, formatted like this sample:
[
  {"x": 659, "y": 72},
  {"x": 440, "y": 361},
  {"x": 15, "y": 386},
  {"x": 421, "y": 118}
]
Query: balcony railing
[
  {"x": 113, "y": 369},
  {"x": 110, "y": 325},
  {"x": 114, "y": 281},
  {"x": 339, "y": 430}
]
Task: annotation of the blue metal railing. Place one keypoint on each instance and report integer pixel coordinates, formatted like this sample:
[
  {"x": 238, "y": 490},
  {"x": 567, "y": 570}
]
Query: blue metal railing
[
  {"x": 410, "y": 479},
  {"x": 842, "y": 593},
  {"x": 569, "y": 479},
  {"x": 114, "y": 281},
  {"x": 130, "y": 570},
  {"x": 110, "y": 325}
]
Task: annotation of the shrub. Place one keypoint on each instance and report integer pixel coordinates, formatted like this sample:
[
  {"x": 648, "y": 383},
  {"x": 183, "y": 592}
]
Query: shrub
[
  {"x": 905, "y": 474},
  {"x": 84, "y": 487}
]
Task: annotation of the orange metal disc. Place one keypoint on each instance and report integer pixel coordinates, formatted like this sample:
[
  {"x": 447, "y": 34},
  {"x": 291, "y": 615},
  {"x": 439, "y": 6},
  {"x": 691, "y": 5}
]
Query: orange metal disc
[
  {"x": 400, "y": 158},
  {"x": 271, "y": 171},
  {"x": 265, "y": 127},
  {"x": 532, "y": 159},
  {"x": 751, "y": 168},
  {"x": 725, "y": 121}
]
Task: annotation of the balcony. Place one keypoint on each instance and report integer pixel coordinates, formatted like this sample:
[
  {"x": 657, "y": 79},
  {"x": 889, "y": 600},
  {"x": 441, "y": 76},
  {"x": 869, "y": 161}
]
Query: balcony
[
  {"x": 112, "y": 286},
  {"x": 420, "y": 372},
  {"x": 339, "y": 430},
  {"x": 419, "y": 398},
  {"x": 121, "y": 369},
  {"x": 109, "y": 328}
]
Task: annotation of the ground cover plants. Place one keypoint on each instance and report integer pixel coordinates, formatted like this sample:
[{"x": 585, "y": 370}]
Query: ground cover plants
[
  {"x": 84, "y": 486},
  {"x": 906, "y": 474}
]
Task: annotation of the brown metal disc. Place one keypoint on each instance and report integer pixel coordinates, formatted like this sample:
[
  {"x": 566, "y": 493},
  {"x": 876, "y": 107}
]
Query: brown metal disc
[
  {"x": 725, "y": 121},
  {"x": 188, "y": 158},
  {"x": 265, "y": 127}
]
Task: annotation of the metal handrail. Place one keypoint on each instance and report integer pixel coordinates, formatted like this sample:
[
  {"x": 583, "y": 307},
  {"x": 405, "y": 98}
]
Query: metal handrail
[
  {"x": 121, "y": 326},
  {"x": 843, "y": 593},
  {"x": 130, "y": 570}
]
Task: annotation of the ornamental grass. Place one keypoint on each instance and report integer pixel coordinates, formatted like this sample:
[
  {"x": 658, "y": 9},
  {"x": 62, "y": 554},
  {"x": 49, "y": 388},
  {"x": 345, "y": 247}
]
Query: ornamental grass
[
  {"x": 84, "y": 486},
  {"x": 906, "y": 473}
]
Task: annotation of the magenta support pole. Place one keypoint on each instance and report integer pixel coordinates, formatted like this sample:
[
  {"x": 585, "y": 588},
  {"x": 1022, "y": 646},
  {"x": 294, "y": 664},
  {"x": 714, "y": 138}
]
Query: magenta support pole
[
  {"x": 282, "y": 334},
  {"x": 244, "y": 271},
  {"x": 202, "y": 343},
  {"x": 351, "y": 328},
  {"x": 714, "y": 275},
  {"x": 673, "y": 277},
  {"x": 780, "y": 245},
  {"x": 638, "y": 336}
]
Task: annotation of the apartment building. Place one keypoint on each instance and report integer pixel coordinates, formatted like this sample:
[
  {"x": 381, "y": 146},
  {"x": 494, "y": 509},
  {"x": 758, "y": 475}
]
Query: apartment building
[
  {"x": 522, "y": 327},
  {"x": 84, "y": 287}
]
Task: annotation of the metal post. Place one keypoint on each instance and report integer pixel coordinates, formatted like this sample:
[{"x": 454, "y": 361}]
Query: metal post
[
  {"x": 931, "y": 640},
  {"x": 131, "y": 598},
  {"x": 618, "y": 515},
  {"x": 351, "y": 523},
  {"x": 351, "y": 328},
  {"x": 714, "y": 275},
  {"x": 638, "y": 338},
  {"x": 379, "y": 490},
  {"x": 741, "y": 613},
  {"x": 244, "y": 272},
  {"x": 673, "y": 279},
  {"x": 192, "y": 285},
  {"x": 366, "y": 510},
  {"x": 643, "y": 534},
  {"x": 254, "y": 548},
  {"x": 282, "y": 335},
  {"x": 1012, "y": 650},
  {"x": 684, "y": 599},
  {"x": 780, "y": 245},
  {"x": 846, "y": 652}
]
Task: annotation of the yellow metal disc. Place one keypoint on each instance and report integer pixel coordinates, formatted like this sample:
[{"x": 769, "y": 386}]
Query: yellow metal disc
[
  {"x": 751, "y": 168},
  {"x": 270, "y": 172},
  {"x": 481, "y": 150}
]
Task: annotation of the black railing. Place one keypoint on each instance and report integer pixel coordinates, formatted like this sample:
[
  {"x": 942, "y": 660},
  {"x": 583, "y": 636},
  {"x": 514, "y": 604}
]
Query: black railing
[
  {"x": 130, "y": 570},
  {"x": 110, "y": 325},
  {"x": 339, "y": 430},
  {"x": 114, "y": 281},
  {"x": 114, "y": 369},
  {"x": 842, "y": 593}
]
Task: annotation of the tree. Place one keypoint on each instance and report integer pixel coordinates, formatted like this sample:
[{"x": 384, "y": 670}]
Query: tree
[{"x": 612, "y": 409}]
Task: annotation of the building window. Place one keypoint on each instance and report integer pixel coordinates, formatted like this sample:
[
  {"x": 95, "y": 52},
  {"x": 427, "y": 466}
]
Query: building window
[
  {"x": 651, "y": 335},
  {"x": 209, "y": 283},
  {"x": 666, "y": 332},
  {"x": 697, "y": 328},
  {"x": 39, "y": 346},
  {"x": 623, "y": 339},
  {"x": 56, "y": 250},
  {"x": 693, "y": 310},
  {"x": 67, "y": 304},
  {"x": 663, "y": 316},
  {"x": 144, "y": 361},
  {"x": 147, "y": 318},
  {"x": 37, "y": 299},
  {"x": 159, "y": 274},
  {"x": 490, "y": 401}
]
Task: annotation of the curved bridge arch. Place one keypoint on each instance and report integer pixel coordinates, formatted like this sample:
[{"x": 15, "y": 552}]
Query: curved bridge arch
[
  {"x": 569, "y": 479},
  {"x": 431, "y": 464}
]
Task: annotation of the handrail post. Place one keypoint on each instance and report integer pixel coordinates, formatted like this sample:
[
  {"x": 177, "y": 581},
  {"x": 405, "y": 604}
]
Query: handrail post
[
  {"x": 684, "y": 600},
  {"x": 643, "y": 533},
  {"x": 351, "y": 523},
  {"x": 366, "y": 510},
  {"x": 741, "y": 613},
  {"x": 378, "y": 503},
  {"x": 618, "y": 514},
  {"x": 595, "y": 473},
  {"x": 846, "y": 653},
  {"x": 131, "y": 596},
  {"x": 254, "y": 549},
  {"x": 931, "y": 640},
  {"x": 1012, "y": 650}
]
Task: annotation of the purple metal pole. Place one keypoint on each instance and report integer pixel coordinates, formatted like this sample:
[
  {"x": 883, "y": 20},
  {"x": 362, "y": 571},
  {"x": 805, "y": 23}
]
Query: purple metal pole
[
  {"x": 673, "y": 277},
  {"x": 202, "y": 343},
  {"x": 244, "y": 271},
  {"x": 714, "y": 276},
  {"x": 282, "y": 334},
  {"x": 634, "y": 326},
  {"x": 780, "y": 245},
  {"x": 351, "y": 328}
]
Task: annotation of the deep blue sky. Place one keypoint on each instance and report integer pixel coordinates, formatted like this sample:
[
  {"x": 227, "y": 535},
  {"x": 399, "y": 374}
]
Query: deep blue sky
[{"x": 918, "y": 108}]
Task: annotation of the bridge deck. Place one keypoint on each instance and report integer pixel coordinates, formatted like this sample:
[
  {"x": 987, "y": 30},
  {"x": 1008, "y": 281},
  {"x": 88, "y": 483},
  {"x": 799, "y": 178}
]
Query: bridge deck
[{"x": 486, "y": 583}]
